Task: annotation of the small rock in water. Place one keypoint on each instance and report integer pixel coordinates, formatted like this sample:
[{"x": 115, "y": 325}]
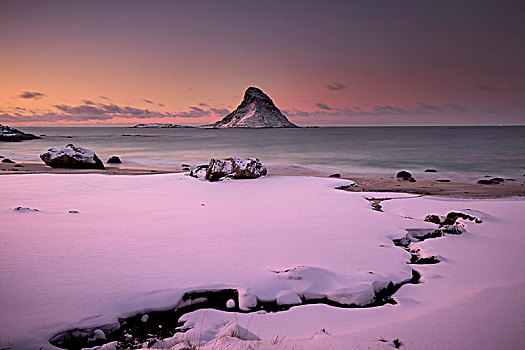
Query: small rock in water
[
  {"x": 335, "y": 175},
  {"x": 185, "y": 168},
  {"x": 493, "y": 181},
  {"x": 114, "y": 159},
  {"x": 7, "y": 160},
  {"x": 405, "y": 176},
  {"x": 442, "y": 180},
  {"x": 18, "y": 166},
  {"x": 184, "y": 165},
  {"x": 230, "y": 304},
  {"x": 144, "y": 318},
  {"x": 73, "y": 212},
  {"x": 430, "y": 171}
]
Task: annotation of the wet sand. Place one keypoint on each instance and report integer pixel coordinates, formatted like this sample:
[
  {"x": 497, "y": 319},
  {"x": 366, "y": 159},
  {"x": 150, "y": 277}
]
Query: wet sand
[
  {"x": 452, "y": 189},
  {"x": 456, "y": 188},
  {"x": 39, "y": 168}
]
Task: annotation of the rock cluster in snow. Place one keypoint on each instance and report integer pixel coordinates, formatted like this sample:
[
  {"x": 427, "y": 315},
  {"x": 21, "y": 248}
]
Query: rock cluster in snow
[
  {"x": 233, "y": 168},
  {"x": 71, "y": 156},
  {"x": 9, "y": 134},
  {"x": 256, "y": 110}
]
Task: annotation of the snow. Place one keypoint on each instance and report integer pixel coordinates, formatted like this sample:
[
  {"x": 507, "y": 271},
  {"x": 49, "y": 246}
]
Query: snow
[{"x": 140, "y": 242}]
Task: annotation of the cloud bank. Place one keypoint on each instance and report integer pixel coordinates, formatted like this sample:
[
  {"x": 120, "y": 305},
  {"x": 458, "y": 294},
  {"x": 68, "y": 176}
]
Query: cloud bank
[{"x": 90, "y": 111}]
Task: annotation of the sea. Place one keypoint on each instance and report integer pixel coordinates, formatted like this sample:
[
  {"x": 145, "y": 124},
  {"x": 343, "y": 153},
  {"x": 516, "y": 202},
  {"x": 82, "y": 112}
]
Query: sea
[{"x": 469, "y": 151}]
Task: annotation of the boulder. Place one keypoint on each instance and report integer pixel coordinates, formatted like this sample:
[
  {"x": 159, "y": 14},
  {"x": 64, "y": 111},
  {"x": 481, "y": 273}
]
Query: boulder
[
  {"x": 114, "y": 159},
  {"x": 493, "y": 181},
  {"x": 405, "y": 176},
  {"x": 235, "y": 168},
  {"x": 71, "y": 156}
]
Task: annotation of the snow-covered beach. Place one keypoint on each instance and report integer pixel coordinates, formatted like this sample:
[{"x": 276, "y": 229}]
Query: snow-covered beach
[{"x": 101, "y": 248}]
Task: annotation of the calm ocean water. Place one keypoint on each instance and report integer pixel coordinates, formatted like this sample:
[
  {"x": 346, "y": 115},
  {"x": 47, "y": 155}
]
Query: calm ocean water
[{"x": 474, "y": 151}]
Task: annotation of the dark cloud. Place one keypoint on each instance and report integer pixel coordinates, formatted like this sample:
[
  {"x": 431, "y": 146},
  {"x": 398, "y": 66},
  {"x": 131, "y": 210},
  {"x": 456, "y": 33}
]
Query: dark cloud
[
  {"x": 104, "y": 98},
  {"x": 485, "y": 87},
  {"x": 160, "y": 105},
  {"x": 323, "y": 106},
  {"x": 202, "y": 104},
  {"x": 148, "y": 101},
  {"x": 31, "y": 95},
  {"x": 335, "y": 86},
  {"x": 88, "y": 102}
]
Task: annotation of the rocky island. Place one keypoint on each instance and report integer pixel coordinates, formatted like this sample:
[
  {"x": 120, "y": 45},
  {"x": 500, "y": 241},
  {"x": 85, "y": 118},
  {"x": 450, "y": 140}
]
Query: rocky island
[
  {"x": 256, "y": 110},
  {"x": 161, "y": 125},
  {"x": 8, "y": 134}
]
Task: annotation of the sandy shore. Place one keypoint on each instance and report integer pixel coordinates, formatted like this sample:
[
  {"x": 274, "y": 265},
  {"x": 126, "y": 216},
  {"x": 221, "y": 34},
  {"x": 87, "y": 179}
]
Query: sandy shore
[
  {"x": 432, "y": 184},
  {"x": 39, "y": 168},
  {"x": 453, "y": 189}
]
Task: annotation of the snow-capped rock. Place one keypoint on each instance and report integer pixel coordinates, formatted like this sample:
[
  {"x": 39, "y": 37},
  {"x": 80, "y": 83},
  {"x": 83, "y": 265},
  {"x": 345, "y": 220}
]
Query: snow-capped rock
[
  {"x": 71, "y": 156},
  {"x": 256, "y": 110},
  {"x": 200, "y": 171},
  {"x": 235, "y": 168},
  {"x": 9, "y": 134}
]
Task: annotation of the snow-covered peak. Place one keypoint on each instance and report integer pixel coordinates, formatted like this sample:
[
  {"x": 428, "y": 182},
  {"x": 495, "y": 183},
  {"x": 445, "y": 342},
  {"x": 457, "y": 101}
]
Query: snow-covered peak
[{"x": 256, "y": 110}]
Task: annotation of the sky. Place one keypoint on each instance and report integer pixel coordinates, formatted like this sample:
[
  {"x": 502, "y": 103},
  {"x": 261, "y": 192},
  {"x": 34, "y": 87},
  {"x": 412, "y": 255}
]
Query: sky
[{"x": 326, "y": 63}]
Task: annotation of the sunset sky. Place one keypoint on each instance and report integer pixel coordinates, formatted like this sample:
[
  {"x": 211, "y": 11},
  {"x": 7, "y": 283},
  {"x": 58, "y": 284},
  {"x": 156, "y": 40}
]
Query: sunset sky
[{"x": 322, "y": 62}]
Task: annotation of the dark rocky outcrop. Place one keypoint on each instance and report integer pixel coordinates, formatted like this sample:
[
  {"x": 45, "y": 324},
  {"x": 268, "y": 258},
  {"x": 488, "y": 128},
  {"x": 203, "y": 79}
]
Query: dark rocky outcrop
[
  {"x": 7, "y": 160},
  {"x": 346, "y": 187},
  {"x": 114, "y": 160},
  {"x": 493, "y": 181},
  {"x": 451, "y": 218},
  {"x": 256, "y": 110},
  {"x": 8, "y": 134},
  {"x": 235, "y": 168},
  {"x": 405, "y": 176},
  {"x": 71, "y": 156}
]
